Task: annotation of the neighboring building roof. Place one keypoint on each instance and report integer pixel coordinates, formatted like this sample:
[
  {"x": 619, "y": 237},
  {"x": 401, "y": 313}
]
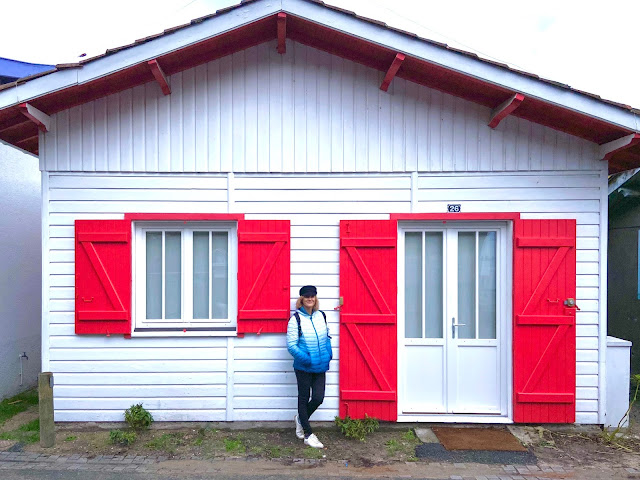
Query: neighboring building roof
[
  {"x": 11, "y": 70},
  {"x": 338, "y": 32}
]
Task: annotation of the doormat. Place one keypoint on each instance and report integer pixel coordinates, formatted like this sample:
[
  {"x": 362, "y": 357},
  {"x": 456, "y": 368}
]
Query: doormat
[{"x": 491, "y": 438}]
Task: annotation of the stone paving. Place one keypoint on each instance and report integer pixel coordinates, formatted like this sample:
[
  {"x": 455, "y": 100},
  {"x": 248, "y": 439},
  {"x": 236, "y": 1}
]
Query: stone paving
[{"x": 166, "y": 465}]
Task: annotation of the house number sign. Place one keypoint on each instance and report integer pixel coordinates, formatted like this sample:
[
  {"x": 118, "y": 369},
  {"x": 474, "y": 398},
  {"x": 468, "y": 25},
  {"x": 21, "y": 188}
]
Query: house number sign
[{"x": 453, "y": 208}]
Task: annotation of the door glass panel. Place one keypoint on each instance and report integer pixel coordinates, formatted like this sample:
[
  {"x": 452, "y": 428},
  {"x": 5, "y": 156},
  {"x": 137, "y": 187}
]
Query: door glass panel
[
  {"x": 433, "y": 284},
  {"x": 154, "y": 274},
  {"x": 200, "y": 274},
  {"x": 220, "y": 275},
  {"x": 413, "y": 285},
  {"x": 467, "y": 284},
  {"x": 173, "y": 274},
  {"x": 487, "y": 285}
]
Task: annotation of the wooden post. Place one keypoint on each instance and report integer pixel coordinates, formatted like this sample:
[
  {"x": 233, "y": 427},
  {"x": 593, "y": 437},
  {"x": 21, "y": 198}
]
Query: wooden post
[{"x": 45, "y": 392}]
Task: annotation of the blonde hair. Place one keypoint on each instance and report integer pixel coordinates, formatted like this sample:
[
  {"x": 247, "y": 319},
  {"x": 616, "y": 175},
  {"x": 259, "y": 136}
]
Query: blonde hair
[{"x": 316, "y": 306}]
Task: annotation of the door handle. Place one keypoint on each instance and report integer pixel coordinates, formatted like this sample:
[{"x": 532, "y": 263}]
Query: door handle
[{"x": 454, "y": 325}]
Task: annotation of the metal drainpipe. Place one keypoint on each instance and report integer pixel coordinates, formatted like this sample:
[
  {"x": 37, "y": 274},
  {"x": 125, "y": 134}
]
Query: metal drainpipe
[{"x": 24, "y": 355}]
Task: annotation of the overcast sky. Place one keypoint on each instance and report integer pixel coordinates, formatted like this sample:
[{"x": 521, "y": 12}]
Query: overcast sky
[{"x": 590, "y": 46}]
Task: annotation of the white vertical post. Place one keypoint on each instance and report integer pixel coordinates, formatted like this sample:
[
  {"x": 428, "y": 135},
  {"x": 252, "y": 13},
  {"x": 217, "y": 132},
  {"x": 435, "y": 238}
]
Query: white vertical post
[
  {"x": 231, "y": 204},
  {"x": 414, "y": 191},
  {"x": 230, "y": 378},
  {"x": 602, "y": 298}
]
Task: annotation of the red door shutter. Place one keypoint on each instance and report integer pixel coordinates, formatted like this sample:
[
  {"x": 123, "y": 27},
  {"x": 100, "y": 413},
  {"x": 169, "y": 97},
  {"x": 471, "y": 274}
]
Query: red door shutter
[
  {"x": 263, "y": 275},
  {"x": 368, "y": 344},
  {"x": 544, "y": 336},
  {"x": 103, "y": 276}
]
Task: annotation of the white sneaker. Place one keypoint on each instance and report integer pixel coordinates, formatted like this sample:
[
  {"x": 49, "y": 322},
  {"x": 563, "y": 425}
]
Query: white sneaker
[
  {"x": 299, "y": 429},
  {"x": 313, "y": 441}
]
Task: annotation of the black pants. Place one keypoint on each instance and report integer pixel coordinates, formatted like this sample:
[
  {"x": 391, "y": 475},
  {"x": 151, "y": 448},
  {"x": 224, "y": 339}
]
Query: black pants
[{"x": 310, "y": 396}]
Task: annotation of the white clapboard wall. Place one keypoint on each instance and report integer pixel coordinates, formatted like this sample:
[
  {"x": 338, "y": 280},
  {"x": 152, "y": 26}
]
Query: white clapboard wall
[
  {"x": 251, "y": 378},
  {"x": 305, "y": 111},
  {"x": 306, "y": 137}
]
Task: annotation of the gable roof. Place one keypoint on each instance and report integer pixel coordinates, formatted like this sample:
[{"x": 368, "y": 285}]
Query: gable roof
[{"x": 338, "y": 32}]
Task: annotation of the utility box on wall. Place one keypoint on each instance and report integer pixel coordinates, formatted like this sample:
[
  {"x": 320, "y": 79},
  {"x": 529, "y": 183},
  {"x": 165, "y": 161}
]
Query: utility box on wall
[{"x": 618, "y": 376}]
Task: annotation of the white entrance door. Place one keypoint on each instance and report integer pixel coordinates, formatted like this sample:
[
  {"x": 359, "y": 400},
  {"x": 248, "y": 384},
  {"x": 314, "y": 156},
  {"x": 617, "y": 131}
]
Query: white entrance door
[{"x": 453, "y": 328}]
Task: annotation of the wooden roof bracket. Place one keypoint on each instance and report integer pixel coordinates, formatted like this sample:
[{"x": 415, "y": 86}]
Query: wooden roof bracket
[
  {"x": 608, "y": 150},
  {"x": 41, "y": 119},
  {"x": 282, "y": 33},
  {"x": 159, "y": 75},
  {"x": 391, "y": 73},
  {"x": 505, "y": 109}
]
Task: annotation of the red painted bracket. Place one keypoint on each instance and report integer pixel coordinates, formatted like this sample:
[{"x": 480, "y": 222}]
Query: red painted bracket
[
  {"x": 282, "y": 33},
  {"x": 41, "y": 119},
  {"x": 608, "y": 150},
  {"x": 505, "y": 109},
  {"x": 159, "y": 76},
  {"x": 391, "y": 73}
]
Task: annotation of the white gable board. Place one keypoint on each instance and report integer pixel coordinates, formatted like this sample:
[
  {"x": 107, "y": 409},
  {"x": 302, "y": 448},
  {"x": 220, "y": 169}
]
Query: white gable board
[
  {"x": 306, "y": 137},
  {"x": 306, "y": 111}
]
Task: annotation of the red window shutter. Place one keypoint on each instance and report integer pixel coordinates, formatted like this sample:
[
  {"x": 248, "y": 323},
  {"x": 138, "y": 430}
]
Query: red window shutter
[
  {"x": 544, "y": 336},
  {"x": 264, "y": 276},
  {"x": 368, "y": 336},
  {"x": 103, "y": 276}
]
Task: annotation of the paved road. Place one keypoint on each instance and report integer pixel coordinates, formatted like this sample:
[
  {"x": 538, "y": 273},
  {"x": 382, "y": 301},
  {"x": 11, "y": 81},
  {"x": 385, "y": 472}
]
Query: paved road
[{"x": 24, "y": 465}]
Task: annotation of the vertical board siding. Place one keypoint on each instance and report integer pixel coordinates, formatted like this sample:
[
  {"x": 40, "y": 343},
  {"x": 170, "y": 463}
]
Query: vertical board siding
[
  {"x": 305, "y": 111},
  {"x": 186, "y": 378}
]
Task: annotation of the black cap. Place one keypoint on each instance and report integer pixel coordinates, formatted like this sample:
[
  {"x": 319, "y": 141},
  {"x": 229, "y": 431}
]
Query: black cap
[{"x": 308, "y": 290}]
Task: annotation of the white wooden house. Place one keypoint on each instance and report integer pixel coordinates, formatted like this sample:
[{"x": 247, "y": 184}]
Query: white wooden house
[{"x": 451, "y": 211}]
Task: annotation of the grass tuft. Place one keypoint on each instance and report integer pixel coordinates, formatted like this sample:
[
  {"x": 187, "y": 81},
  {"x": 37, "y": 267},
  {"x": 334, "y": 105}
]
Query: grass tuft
[
  {"x": 27, "y": 433},
  {"x": 234, "y": 445},
  {"x": 10, "y": 407}
]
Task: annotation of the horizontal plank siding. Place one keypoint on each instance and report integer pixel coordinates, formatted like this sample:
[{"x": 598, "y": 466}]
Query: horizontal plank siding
[
  {"x": 96, "y": 377},
  {"x": 303, "y": 112}
]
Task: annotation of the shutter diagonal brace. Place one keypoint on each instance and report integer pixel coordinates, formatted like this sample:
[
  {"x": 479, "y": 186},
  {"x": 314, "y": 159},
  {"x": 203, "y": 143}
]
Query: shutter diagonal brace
[
  {"x": 370, "y": 359},
  {"x": 368, "y": 280},
  {"x": 261, "y": 280},
  {"x": 546, "y": 278},
  {"x": 105, "y": 280},
  {"x": 545, "y": 358}
]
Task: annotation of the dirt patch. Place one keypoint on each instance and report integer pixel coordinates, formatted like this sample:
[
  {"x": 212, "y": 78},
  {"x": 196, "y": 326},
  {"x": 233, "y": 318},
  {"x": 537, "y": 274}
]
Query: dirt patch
[
  {"x": 20, "y": 419},
  {"x": 386, "y": 446},
  {"x": 588, "y": 448},
  {"x": 393, "y": 443}
]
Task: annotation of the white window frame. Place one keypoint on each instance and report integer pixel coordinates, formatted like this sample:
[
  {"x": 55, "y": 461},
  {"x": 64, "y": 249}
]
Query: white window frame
[{"x": 187, "y": 325}]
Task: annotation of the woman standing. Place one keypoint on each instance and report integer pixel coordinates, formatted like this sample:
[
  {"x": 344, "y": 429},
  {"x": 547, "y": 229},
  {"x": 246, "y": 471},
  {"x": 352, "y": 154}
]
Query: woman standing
[{"x": 309, "y": 343}]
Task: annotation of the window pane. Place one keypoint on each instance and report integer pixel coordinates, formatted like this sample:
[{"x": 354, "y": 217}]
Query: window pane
[
  {"x": 487, "y": 284},
  {"x": 413, "y": 285},
  {"x": 467, "y": 284},
  {"x": 220, "y": 275},
  {"x": 200, "y": 274},
  {"x": 433, "y": 284},
  {"x": 172, "y": 275},
  {"x": 154, "y": 275}
]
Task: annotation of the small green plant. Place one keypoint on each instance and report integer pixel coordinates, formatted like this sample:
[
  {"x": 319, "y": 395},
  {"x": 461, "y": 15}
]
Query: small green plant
[
  {"x": 166, "y": 442},
  {"x": 356, "y": 428},
  {"x": 311, "y": 452},
  {"x": 277, "y": 451},
  {"x": 138, "y": 417},
  {"x": 393, "y": 446},
  {"x": 409, "y": 436},
  {"x": 71, "y": 438},
  {"x": 612, "y": 436},
  {"x": 122, "y": 438},
  {"x": 234, "y": 445}
]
